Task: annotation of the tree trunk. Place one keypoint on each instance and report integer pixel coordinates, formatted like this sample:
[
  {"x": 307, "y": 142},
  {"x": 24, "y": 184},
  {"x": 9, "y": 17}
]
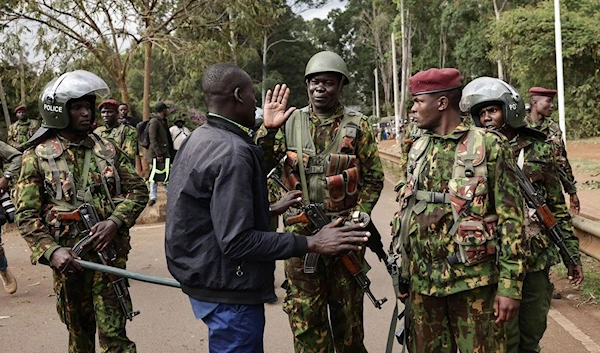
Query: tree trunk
[
  {"x": 404, "y": 67},
  {"x": 4, "y": 106},
  {"x": 232, "y": 38},
  {"x": 122, "y": 82},
  {"x": 264, "y": 68},
  {"x": 22, "y": 74},
  {"x": 497, "y": 12}
]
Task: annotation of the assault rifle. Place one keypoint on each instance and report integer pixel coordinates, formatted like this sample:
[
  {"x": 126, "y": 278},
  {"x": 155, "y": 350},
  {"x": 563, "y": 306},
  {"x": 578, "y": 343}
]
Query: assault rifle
[
  {"x": 534, "y": 200},
  {"x": 314, "y": 215},
  {"x": 86, "y": 214}
]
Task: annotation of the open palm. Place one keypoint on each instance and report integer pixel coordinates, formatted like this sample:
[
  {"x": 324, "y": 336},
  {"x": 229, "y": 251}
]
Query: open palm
[{"x": 274, "y": 110}]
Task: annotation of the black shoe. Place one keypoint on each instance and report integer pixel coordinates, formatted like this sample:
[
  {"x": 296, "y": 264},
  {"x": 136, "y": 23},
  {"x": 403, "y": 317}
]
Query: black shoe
[
  {"x": 151, "y": 202},
  {"x": 556, "y": 295}
]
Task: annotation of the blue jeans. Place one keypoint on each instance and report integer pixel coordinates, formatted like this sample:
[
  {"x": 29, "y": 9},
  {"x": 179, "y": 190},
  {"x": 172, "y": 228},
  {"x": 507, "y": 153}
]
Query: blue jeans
[
  {"x": 3, "y": 262},
  {"x": 154, "y": 190},
  {"x": 232, "y": 328}
]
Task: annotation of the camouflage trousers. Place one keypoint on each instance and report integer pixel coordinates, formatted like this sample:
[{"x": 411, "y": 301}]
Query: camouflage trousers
[
  {"x": 525, "y": 331},
  {"x": 308, "y": 298},
  {"x": 463, "y": 321},
  {"x": 87, "y": 300}
]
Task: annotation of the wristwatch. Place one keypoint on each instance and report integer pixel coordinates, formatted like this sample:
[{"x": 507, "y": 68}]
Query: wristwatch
[{"x": 7, "y": 176}]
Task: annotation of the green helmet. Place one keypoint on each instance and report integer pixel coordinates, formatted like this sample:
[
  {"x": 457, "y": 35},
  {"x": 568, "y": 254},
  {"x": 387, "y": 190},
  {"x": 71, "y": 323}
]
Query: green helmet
[
  {"x": 70, "y": 85},
  {"x": 327, "y": 61},
  {"x": 485, "y": 91}
]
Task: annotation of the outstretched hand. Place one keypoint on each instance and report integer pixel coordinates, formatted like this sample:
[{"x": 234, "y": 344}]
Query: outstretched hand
[{"x": 274, "y": 110}]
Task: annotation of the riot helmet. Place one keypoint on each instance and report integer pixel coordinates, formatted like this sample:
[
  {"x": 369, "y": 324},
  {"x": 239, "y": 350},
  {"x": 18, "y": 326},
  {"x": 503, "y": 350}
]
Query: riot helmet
[
  {"x": 485, "y": 91},
  {"x": 327, "y": 61},
  {"x": 68, "y": 86}
]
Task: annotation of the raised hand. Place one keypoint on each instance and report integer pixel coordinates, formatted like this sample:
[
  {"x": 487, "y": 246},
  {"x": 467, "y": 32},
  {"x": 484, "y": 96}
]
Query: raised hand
[{"x": 274, "y": 110}]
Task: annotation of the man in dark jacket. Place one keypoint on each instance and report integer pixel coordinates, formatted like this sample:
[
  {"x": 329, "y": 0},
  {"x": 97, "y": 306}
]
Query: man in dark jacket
[
  {"x": 218, "y": 243},
  {"x": 160, "y": 151}
]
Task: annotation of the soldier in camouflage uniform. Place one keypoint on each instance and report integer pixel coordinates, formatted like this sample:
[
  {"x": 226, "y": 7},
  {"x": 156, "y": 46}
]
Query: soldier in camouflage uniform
[
  {"x": 539, "y": 119},
  {"x": 459, "y": 228},
  {"x": 497, "y": 106},
  {"x": 21, "y": 131},
  {"x": 124, "y": 136},
  {"x": 10, "y": 160},
  {"x": 339, "y": 167},
  {"x": 65, "y": 168}
]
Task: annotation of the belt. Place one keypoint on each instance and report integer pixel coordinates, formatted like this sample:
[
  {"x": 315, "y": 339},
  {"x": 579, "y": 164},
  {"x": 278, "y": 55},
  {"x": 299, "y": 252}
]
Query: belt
[{"x": 433, "y": 197}]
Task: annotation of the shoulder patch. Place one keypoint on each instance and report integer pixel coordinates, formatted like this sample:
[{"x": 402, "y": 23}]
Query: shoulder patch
[
  {"x": 49, "y": 148},
  {"x": 104, "y": 148}
]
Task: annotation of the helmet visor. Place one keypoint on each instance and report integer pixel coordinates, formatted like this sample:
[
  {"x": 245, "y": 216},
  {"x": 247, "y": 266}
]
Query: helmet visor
[
  {"x": 74, "y": 84},
  {"x": 482, "y": 89}
]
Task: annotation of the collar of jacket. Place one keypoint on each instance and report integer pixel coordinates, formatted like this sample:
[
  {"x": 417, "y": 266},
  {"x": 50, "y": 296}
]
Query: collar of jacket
[
  {"x": 458, "y": 132},
  {"x": 86, "y": 142},
  {"x": 219, "y": 123}
]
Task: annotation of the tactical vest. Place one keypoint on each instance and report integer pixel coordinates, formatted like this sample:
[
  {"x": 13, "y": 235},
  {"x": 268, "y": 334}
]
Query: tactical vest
[
  {"x": 60, "y": 181},
  {"x": 331, "y": 177},
  {"x": 474, "y": 231},
  {"x": 116, "y": 134}
]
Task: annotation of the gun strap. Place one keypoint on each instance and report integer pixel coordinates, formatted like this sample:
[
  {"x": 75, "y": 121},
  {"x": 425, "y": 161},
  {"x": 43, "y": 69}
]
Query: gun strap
[
  {"x": 392, "y": 332},
  {"x": 301, "y": 170},
  {"x": 85, "y": 171}
]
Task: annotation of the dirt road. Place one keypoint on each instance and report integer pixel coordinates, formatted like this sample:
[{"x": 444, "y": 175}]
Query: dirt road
[{"x": 29, "y": 323}]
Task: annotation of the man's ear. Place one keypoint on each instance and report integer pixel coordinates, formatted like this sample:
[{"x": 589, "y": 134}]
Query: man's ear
[
  {"x": 443, "y": 103},
  {"x": 237, "y": 95}
]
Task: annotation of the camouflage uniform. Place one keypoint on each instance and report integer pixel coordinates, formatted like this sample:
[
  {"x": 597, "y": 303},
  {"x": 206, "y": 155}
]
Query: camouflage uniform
[
  {"x": 526, "y": 330},
  {"x": 84, "y": 300},
  {"x": 452, "y": 304},
  {"x": 308, "y": 296},
  {"x": 124, "y": 136},
  {"x": 20, "y": 132},
  {"x": 554, "y": 135}
]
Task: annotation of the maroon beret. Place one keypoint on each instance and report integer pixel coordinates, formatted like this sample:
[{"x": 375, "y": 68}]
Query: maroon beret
[
  {"x": 21, "y": 107},
  {"x": 541, "y": 91},
  {"x": 434, "y": 80},
  {"x": 109, "y": 103}
]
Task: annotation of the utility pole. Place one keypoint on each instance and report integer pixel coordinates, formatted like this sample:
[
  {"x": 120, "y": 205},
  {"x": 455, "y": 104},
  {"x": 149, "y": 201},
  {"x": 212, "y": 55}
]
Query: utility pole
[
  {"x": 560, "y": 85},
  {"x": 395, "y": 73},
  {"x": 376, "y": 113}
]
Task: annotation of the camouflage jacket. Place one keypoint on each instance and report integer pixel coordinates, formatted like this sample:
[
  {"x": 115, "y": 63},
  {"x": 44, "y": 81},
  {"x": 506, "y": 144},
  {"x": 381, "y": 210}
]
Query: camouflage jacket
[
  {"x": 430, "y": 246},
  {"x": 10, "y": 160},
  {"x": 37, "y": 207},
  {"x": 554, "y": 136},
  {"x": 124, "y": 136},
  {"x": 20, "y": 132},
  {"x": 540, "y": 166},
  {"x": 323, "y": 131}
]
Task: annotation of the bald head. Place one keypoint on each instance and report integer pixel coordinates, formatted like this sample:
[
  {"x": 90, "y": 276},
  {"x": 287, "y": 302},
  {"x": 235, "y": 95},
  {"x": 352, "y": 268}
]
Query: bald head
[
  {"x": 220, "y": 81},
  {"x": 228, "y": 91}
]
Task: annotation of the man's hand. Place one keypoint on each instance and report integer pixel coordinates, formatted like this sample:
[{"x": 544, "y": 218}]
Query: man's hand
[
  {"x": 505, "y": 308},
  {"x": 292, "y": 198},
  {"x": 574, "y": 204},
  {"x": 102, "y": 233},
  {"x": 62, "y": 260},
  {"x": 3, "y": 185},
  {"x": 402, "y": 296},
  {"x": 331, "y": 239},
  {"x": 575, "y": 274},
  {"x": 274, "y": 113}
]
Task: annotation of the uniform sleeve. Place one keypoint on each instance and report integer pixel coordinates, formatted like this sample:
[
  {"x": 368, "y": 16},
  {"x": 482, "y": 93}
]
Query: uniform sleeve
[
  {"x": 273, "y": 145},
  {"x": 566, "y": 175},
  {"x": 12, "y": 157},
  {"x": 509, "y": 208},
  {"x": 12, "y": 135},
  {"x": 134, "y": 191},
  {"x": 371, "y": 169},
  {"x": 556, "y": 202},
  {"x": 130, "y": 142},
  {"x": 28, "y": 216}
]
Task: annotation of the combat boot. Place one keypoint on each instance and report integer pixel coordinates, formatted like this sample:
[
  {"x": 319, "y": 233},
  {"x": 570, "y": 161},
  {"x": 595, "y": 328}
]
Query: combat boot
[{"x": 9, "y": 281}]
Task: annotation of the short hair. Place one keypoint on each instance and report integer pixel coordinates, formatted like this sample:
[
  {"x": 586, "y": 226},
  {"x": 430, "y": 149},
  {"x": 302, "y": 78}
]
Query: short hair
[
  {"x": 125, "y": 104},
  {"x": 220, "y": 80},
  {"x": 454, "y": 95}
]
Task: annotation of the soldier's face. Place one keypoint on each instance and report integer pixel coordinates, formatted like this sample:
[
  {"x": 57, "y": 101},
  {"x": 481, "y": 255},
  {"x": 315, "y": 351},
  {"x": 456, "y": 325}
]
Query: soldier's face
[
  {"x": 123, "y": 111},
  {"x": 426, "y": 112},
  {"x": 543, "y": 105},
  {"x": 491, "y": 117},
  {"x": 21, "y": 115},
  {"x": 81, "y": 116},
  {"x": 324, "y": 91},
  {"x": 109, "y": 115}
]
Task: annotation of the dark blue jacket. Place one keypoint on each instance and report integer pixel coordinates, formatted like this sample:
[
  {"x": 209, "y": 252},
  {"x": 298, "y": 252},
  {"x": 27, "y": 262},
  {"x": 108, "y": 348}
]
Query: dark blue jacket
[{"x": 217, "y": 240}]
